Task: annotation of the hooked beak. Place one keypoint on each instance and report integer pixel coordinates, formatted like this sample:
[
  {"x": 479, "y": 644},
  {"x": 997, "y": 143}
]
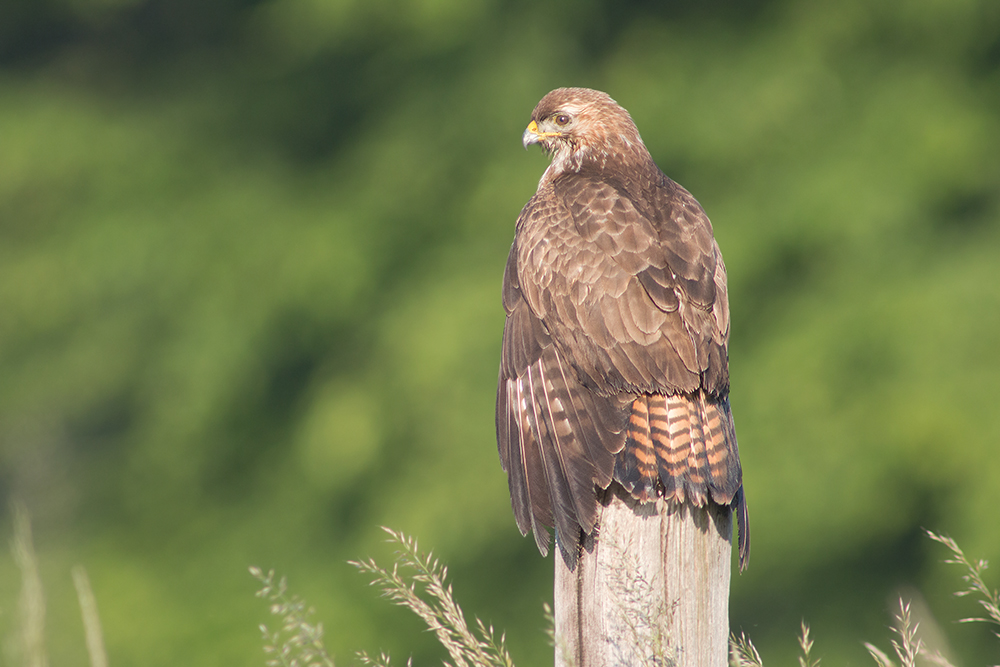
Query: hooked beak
[{"x": 533, "y": 136}]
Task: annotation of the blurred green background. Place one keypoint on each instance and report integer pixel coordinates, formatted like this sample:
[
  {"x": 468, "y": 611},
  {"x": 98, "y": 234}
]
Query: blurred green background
[{"x": 250, "y": 264}]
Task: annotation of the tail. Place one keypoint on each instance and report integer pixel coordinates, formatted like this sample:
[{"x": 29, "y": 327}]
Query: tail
[
  {"x": 683, "y": 447},
  {"x": 739, "y": 506}
]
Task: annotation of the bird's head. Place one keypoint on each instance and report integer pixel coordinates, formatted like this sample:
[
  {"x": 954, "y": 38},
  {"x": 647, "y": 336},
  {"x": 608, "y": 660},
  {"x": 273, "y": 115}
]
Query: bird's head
[{"x": 579, "y": 126}]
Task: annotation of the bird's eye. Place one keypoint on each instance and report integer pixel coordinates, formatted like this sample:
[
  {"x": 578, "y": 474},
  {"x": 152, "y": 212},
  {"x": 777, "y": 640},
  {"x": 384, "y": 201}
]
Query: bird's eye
[{"x": 562, "y": 119}]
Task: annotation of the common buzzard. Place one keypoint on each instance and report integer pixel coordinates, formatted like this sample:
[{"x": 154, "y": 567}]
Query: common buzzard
[{"x": 614, "y": 365}]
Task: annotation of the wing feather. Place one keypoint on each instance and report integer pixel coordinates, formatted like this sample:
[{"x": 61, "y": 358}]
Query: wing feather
[
  {"x": 556, "y": 439},
  {"x": 614, "y": 361},
  {"x": 561, "y": 505},
  {"x": 602, "y": 271}
]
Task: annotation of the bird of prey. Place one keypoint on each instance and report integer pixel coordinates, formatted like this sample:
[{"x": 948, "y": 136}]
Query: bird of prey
[{"x": 614, "y": 363}]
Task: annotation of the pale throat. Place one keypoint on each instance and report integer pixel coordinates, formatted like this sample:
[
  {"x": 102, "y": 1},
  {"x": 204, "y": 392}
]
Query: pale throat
[{"x": 570, "y": 157}]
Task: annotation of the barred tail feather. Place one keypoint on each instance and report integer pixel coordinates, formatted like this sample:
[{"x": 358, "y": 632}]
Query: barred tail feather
[
  {"x": 684, "y": 447},
  {"x": 558, "y": 440},
  {"x": 635, "y": 466},
  {"x": 697, "y": 474},
  {"x": 673, "y": 446},
  {"x": 739, "y": 506},
  {"x": 723, "y": 451}
]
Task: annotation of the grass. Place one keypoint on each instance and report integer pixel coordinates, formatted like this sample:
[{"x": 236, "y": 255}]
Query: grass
[
  {"x": 297, "y": 642},
  {"x": 418, "y": 582},
  {"x": 28, "y": 645},
  {"x": 906, "y": 644}
]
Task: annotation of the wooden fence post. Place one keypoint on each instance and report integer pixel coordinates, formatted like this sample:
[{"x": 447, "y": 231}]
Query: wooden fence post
[{"x": 651, "y": 589}]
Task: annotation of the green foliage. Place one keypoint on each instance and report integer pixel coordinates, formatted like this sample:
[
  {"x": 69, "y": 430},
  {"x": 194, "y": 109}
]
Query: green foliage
[{"x": 250, "y": 256}]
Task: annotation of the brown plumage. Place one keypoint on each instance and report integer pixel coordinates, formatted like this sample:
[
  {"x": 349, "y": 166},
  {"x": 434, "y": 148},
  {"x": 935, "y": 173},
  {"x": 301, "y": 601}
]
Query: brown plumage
[{"x": 614, "y": 365}]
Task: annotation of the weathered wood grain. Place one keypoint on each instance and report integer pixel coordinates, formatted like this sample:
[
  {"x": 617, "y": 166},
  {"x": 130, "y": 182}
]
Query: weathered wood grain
[{"x": 651, "y": 589}]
